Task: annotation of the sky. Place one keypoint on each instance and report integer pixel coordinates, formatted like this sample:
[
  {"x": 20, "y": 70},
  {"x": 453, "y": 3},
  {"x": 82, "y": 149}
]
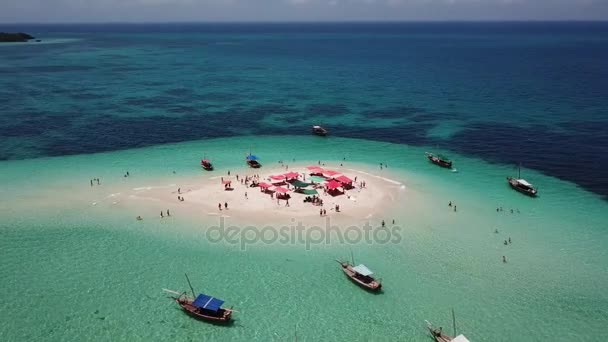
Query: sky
[{"x": 66, "y": 11}]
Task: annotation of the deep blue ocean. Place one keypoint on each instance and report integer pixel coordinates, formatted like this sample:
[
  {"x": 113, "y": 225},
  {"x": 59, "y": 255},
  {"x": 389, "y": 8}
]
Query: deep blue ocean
[{"x": 529, "y": 93}]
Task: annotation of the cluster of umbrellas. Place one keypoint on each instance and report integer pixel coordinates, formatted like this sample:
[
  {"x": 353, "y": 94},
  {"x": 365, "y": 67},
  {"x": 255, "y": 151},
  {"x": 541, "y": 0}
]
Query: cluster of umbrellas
[
  {"x": 332, "y": 179},
  {"x": 329, "y": 178}
]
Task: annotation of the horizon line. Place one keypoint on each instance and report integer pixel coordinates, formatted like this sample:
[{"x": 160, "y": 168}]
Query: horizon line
[{"x": 357, "y": 21}]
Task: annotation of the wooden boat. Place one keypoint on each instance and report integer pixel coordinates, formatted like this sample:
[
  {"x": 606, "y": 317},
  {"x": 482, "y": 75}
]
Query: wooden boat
[
  {"x": 202, "y": 307},
  {"x": 252, "y": 161},
  {"x": 439, "y": 336},
  {"x": 521, "y": 185},
  {"x": 206, "y": 164},
  {"x": 318, "y": 130},
  {"x": 360, "y": 275},
  {"x": 439, "y": 160}
]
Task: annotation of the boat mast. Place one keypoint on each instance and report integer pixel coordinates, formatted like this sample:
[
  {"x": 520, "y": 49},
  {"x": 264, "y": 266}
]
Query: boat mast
[
  {"x": 519, "y": 171},
  {"x": 189, "y": 284},
  {"x": 352, "y": 258},
  {"x": 454, "y": 322}
]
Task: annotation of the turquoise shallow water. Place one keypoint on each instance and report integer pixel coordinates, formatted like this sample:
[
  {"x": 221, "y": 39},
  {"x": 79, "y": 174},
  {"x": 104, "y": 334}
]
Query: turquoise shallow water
[{"x": 97, "y": 274}]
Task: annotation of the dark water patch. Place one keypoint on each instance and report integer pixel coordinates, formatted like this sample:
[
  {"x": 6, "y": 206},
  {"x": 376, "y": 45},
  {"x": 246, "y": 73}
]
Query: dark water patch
[
  {"x": 149, "y": 101},
  {"x": 44, "y": 69},
  {"x": 127, "y": 68},
  {"x": 180, "y": 109},
  {"x": 33, "y": 125},
  {"x": 399, "y": 112},
  {"x": 411, "y": 133},
  {"x": 326, "y": 109},
  {"x": 433, "y": 117},
  {"x": 216, "y": 96},
  {"x": 179, "y": 92},
  {"x": 86, "y": 96},
  {"x": 561, "y": 154}
]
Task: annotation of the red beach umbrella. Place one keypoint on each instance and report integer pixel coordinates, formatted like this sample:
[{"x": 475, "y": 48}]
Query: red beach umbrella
[{"x": 332, "y": 184}]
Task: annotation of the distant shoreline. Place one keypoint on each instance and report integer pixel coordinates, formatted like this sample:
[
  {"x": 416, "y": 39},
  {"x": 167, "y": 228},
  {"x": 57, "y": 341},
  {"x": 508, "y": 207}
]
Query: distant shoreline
[{"x": 18, "y": 37}]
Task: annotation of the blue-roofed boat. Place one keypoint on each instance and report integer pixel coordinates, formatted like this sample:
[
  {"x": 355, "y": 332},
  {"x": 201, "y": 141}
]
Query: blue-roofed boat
[
  {"x": 203, "y": 307},
  {"x": 361, "y": 275},
  {"x": 252, "y": 161}
]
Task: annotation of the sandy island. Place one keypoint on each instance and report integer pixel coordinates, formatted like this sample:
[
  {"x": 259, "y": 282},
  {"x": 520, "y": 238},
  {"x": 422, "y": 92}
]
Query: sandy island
[{"x": 250, "y": 205}]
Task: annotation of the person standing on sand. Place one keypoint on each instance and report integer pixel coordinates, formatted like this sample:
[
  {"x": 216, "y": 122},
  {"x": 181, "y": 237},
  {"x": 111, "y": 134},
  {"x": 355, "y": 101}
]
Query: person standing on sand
[
  {"x": 320, "y": 212},
  {"x": 246, "y": 194},
  {"x": 228, "y": 172},
  {"x": 219, "y": 206},
  {"x": 454, "y": 208},
  {"x": 91, "y": 182},
  {"x": 97, "y": 181},
  {"x": 383, "y": 224},
  {"x": 226, "y": 205},
  {"x": 168, "y": 213},
  {"x": 179, "y": 190},
  {"x": 161, "y": 215}
]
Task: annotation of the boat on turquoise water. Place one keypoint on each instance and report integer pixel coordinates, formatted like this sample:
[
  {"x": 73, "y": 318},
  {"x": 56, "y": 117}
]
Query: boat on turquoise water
[
  {"x": 318, "y": 130},
  {"x": 439, "y": 336},
  {"x": 253, "y": 162},
  {"x": 206, "y": 164},
  {"x": 440, "y": 160},
  {"x": 521, "y": 185},
  {"x": 360, "y": 275},
  {"x": 202, "y": 307}
]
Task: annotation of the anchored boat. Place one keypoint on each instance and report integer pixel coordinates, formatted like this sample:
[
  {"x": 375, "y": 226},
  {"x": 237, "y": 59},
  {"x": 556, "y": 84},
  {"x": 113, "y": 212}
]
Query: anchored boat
[
  {"x": 521, "y": 185},
  {"x": 203, "y": 307},
  {"x": 440, "y": 160},
  {"x": 318, "y": 130},
  {"x": 439, "y": 336},
  {"x": 360, "y": 275},
  {"x": 206, "y": 164},
  {"x": 252, "y": 161}
]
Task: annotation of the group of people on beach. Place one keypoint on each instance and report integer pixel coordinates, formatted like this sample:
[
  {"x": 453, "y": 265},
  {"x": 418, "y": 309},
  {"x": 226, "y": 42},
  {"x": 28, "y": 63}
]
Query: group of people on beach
[
  {"x": 94, "y": 180},
  {"x": 451, "y": 205},
  {"x": 500, "y": 209},
  {"x": 162, "y": 214}
]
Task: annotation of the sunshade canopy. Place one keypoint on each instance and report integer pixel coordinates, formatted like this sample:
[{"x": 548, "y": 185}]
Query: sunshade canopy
[
  {"x": 299, "y": 184},
  {"x": 344, "y": 179},
  {"x": 332, "y": 184},
  {"x": 363, "y": 270},
  {"x": 317, "y": 179},
  {"x": 310, "y": 192},
  {"x": 291, "y": 175},
  {"x": 226, "y": 181},
  {"x": 207, "y": 302},
  {"x": 277, "y": 177},
  {"x": 265, "y": 185},
  {"x": 330, "y": 173},
  {"x": 314, "y": 168},
  {"x": 281, "y": 190}
]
